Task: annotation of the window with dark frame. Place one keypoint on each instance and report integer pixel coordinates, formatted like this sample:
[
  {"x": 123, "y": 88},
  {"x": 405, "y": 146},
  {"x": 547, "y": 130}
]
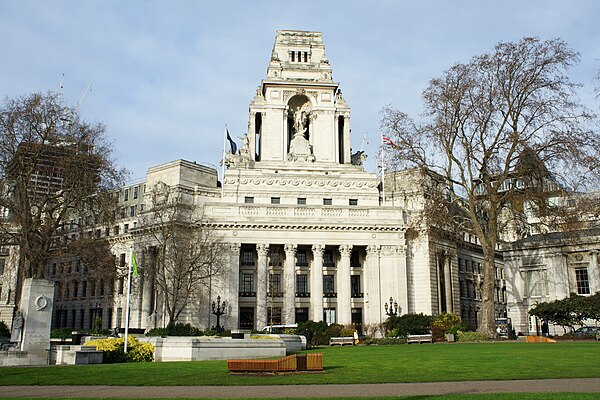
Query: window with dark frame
[
  {"x": 247, "y": 283},
  {"x": 301, "y": 259},
  {"x": 247, "y": 258},
  {"x": 248, "y": 199},
  {"x": 275, "y": 285},
  {"x": 301, "y": 200},
  {"x": 328, "y": 284},
  {"x": 582, "y": 279},
  {"x": 302, "y": 285},
  {"x": 275, "y": 200},
  {"x": 353, "y": 202},
  {"x": 327, "y": 201}
]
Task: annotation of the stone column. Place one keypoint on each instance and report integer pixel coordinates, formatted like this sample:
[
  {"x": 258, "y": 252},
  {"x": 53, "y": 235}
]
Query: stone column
[
  {"x": 316, "y": 283},
  {"x": 448, "y": 282},
  {"x": 231, "y": 319},
  {"x": 374, "y": 313},
  {"x": 594, "y": 273},
  {"x": 347, "y": 139},
  {"x": 261, "y": 285},
  {"x": 289, "y": 289},
  {"x": 344, "y": 298},
  {"x": 147, "y": 288},
  {"x": 252, "y": 136}
]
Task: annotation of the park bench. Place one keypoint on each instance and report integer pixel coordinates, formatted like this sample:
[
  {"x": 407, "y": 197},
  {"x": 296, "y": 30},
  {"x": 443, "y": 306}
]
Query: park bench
[
  {"x": 295, "y": 362},
  {"x": 426, "y": 338},
  {"x": 341, "y": 341}
]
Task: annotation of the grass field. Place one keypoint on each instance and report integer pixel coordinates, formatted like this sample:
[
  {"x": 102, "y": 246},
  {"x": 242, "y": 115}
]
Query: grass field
[
  {"x": 361, "y": 364},
  {"x": 499, "y": 396}
]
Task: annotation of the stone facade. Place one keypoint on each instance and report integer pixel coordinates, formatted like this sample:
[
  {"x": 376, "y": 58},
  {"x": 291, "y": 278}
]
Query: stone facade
[{"x": 308, "y": 234}]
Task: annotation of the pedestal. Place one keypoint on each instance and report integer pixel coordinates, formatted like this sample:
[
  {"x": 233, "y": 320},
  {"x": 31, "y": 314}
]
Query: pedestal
[{"x": 36, "y": 308}]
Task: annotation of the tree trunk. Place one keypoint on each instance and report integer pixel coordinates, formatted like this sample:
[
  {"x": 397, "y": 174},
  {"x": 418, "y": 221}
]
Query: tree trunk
[{"x": 487, "y": 320}]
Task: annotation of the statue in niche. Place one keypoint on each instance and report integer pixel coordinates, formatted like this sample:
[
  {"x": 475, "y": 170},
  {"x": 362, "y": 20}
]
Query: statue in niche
[
  {"x": 300, "y": 148},
  {"x": 301, "y": 118}
]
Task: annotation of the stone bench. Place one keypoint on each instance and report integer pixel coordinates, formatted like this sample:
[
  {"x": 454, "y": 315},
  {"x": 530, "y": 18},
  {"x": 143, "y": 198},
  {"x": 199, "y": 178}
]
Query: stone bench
[
  {"x": 426, "y": 338},
  {"x": 341, "y": 341}
]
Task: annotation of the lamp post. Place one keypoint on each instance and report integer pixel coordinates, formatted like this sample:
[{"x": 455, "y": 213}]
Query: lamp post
[
  {"x": 218, "y": 309},
  {"x": 392, "y": 308}
]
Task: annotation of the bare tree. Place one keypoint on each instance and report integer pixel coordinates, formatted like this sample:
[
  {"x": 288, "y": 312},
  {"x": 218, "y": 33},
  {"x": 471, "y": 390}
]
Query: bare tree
[
  {"x": 187, "y": 251},
  {"x": 56, "y": 177},
  {"x": 504, "y": 130}
]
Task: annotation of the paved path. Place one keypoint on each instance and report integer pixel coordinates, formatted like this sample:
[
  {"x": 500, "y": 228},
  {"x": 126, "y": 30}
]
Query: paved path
[{"x": 375, "y": 390}]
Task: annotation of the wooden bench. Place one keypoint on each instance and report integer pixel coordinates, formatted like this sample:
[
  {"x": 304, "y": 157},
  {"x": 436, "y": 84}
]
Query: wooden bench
[
  {"x": 295, "y": 362},
  {"x": 426, "y": 338},
  {"x": 341, "y": 341}
]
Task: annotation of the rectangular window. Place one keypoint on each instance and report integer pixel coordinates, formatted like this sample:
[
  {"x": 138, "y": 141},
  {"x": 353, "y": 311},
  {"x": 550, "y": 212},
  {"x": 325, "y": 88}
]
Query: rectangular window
[
  {"x": 328, "y": 284},
  {"x": 328, "y": 258},
  {"x": 275, "y": 285},
  {"x": 84, "y": 289},
  {"x": 327, "y": 202},
  {"x": 355, "y": 286},
  {"x": 247, "y": 283},
  {"x": 275, "y": 259},
  {"x": 93, "y": 288},
  {"x": 141, "y": 207},
  {"x": 125, "y": 228},
  {"x": 116, "y": 230},
  {"x": 247, "y": 258},
  {"x": 2, "y": 262},
  {"x": 121, "y": 285},
  {"x": 136, "y": 191},
  {"x": 301, "y": 314},
  {"x": 302, "y": 285},
  {"x": 275, "y": 200},
  {"x": 582, "y": 279},
  {"x": 329, "y": 315},
  {"x": 132, "y": 211},
  {"x": 301, "y": 260},
  {"x": 302, "y": 200},
  {"x": 101, "y": 287},
  {"x": 353, "y": 202},
  {"x": 248, "y": 199},
  {"x": 126, "y": 195}
]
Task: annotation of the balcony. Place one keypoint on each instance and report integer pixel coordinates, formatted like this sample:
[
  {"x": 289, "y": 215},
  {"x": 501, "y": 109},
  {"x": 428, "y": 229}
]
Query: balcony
[
  {"x": 247, "y": 294},
  {"x": 330, "y": 295},
  {"x": 302, "y": 294}
]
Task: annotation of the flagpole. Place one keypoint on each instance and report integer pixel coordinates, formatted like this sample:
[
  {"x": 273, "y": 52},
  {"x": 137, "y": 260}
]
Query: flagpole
[
  {"x": 223, "y": 163},
  {"x": 128, "y": 296}
]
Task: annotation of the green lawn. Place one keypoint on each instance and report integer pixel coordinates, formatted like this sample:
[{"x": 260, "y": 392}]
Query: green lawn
[
  {"x": 361, "y": 364},
  {"x": 499, "y": 396}
]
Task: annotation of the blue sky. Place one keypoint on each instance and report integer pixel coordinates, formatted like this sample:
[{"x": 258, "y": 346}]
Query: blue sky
[{"x": 168, "y": 75}]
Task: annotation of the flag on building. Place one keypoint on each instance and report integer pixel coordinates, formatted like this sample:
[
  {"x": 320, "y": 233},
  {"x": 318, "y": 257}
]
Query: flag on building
[
  {"x": 388, "y": 141},
  {"x": 134, "y": 265},
  {"x": 231, "y": 143}
]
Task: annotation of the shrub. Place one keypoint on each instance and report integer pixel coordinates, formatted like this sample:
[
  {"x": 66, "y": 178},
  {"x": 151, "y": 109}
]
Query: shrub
[
  {"x": 386, "y": 341},
  {"x": 4, "y": 329},
  {"x": 113, "y": 349},
  {"x": 314, "y": 332},
  {"x": 415, "y": 324},
  {"x": 61, "y": 333},
  {"x": 446, "y": 323},
  {"x": 471, "y": 337}
]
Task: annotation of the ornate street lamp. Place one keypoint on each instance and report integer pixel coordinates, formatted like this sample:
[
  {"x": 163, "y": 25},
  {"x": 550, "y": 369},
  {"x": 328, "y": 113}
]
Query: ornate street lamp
[
  {"x": 218, "y": 309},
  {"x": 392, "y": 308}
]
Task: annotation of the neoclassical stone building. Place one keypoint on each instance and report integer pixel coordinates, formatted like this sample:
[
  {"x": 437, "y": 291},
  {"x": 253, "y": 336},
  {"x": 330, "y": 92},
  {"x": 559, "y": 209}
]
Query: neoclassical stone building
[{"x": 309, "y": 234}]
